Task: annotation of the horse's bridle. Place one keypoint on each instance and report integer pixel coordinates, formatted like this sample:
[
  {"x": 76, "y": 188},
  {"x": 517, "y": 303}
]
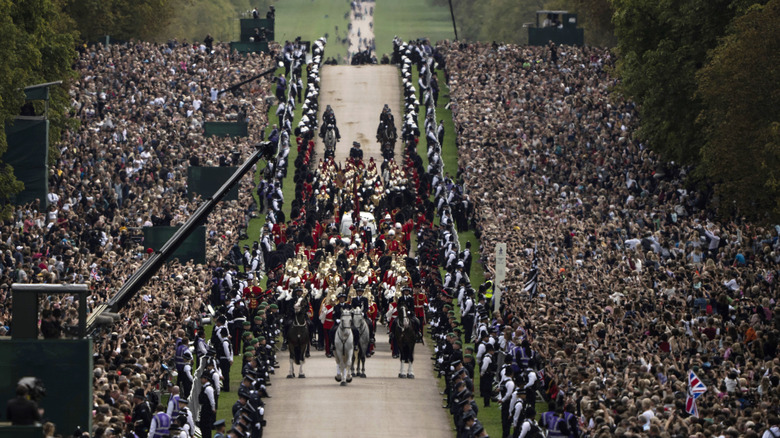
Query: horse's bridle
[{"x": 300, "y": 313}]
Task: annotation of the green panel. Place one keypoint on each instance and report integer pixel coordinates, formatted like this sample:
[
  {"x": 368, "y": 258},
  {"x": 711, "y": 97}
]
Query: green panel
[
  {"x": 541, "y": 36},
  {"x": 205, "y": 181},
  {"x": 28, "y": 154},
  {"x": 224, "y": 129},
  {"x": 25, "y": 315},
  {"x": 40, "y": 93},
  {"x": 21, "y": 432},
  {"x": 193, "y": 247},
  {"x": 248, "y": 26},
  {"x": 64, "y": 367},
  {"x": 242, "y": 47}
]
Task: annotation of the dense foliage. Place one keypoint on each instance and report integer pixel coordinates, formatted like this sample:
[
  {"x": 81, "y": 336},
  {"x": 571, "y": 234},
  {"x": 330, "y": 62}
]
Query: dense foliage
[
  {"x": 739, "y": 89},
  {"x": 703, "y": 73},
  {"x": 38, "y": 46},
  {"x": 502, "y": 20}
]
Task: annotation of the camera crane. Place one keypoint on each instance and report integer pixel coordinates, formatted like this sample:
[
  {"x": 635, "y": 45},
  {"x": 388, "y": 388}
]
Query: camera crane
[{"x": 106, "y": 313}]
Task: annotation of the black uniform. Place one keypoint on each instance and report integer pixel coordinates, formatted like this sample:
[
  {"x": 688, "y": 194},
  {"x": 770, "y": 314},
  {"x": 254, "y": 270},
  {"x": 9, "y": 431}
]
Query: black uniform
[
  {"x": 356, "y": 153},
  {"x": 328, "y": 118},
  {"x": 208, "y": 414},
  {"x": 142, "y": 419},
  {"x": 224, "y": 353},
  {"x": 360, "y": 302},
  {"x": 22, "y": 412}
]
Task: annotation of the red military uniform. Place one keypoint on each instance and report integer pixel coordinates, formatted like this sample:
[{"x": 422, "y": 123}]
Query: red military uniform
[
  {"x": 392, "y": 312},
  {"x": 255, "y": 297},
  {"x": 327, "y": 324},
  {"x": 373, "y": 313},
  {"x": 420, "y": 301}
]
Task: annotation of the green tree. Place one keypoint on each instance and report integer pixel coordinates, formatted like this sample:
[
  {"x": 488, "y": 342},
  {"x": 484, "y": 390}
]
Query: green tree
[
  {"x": 38, "y": 46},
  {"x": 122, "y": 19},
  {"x": 662, "y": 45},
  {"x": 595, "y": 16},
  {"x": 739, "y": 89},
  {"x": 216, "y": 17}
]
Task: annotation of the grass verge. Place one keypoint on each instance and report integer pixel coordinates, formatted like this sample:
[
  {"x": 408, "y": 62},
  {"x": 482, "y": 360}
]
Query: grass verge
[
  {"x": 311, "y": 19},
  {"x": 410, "y": 19}
]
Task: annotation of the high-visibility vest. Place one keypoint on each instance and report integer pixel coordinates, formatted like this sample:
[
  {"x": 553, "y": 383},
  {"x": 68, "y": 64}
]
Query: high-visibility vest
[{"x": 488, "y": 289}]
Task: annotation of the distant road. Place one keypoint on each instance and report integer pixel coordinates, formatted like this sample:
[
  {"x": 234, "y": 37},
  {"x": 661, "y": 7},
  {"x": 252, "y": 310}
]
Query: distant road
[{"x": 357, "y": 95}]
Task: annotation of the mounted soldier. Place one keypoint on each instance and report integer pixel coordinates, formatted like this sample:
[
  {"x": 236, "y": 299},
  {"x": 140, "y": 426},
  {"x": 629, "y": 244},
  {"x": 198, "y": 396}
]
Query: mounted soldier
[
  {"x": 355, "y": 152},
  {"x": 329, "y": 120}
]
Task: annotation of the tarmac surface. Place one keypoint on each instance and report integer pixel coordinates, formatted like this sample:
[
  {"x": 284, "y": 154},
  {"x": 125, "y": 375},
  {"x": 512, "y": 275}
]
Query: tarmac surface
[
  {"x": 361, "y": 34},
  {"x": 380, "y": 405},
  {"x": 357, "y": 95}
]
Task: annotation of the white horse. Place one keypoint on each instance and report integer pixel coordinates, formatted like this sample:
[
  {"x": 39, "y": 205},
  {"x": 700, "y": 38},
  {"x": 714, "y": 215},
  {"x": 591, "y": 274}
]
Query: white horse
[
  {"x": 343, "y": 345},
  {"x": 361, "y": 344}
]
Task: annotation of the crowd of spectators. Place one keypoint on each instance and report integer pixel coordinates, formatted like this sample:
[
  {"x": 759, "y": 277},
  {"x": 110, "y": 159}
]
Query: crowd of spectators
[
  {"x": 138, "y": 111},
  {"x": 639, "y": 281}
]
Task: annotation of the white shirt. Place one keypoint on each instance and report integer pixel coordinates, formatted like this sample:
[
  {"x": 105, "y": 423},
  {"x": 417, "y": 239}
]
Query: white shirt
[
  {"x": 510, "y": 388},
  {"x": 525, "y": 429},
  {"x": 485, "y": 364},
  {"x": 531, "y": 380},
  {"x": 772, "y": 432},
  {"x": 210, "y": 394},
  {"x": 480, "y": 352},
  {"x": 517, "y": 410}
]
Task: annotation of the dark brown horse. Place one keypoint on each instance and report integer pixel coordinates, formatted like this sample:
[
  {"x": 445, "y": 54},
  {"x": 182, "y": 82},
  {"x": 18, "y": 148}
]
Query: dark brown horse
[
  {"x": 298, "y": 337},
  {"x": 405, "y": 340}
]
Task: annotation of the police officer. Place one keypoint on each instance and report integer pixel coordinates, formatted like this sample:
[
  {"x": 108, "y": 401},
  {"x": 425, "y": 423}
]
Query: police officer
[
  {"x": 524, "y": 356},
  {"x": 487, "y": 373},
  {"x": 517, "y": 411},
  {"x": 529, "y": 383},
  {"x": 174, "y": 403},
  {"x": 184, "y": 418},
  {"x": 161, "y": 424},
  {"x": 142, "y": 414},
  {"x": 506, "y": 388},
  {"x": 224, "y": 350},
  {"x": 555, "y": 422},
  {"x": 182, "y": 345},
  {"x": 360, "y": 301},
  {"x": 469, "y": 313},
  {"x": 208, "y": 405},
  {"x": 185, "y": 375},
  {"x": 219, "y": 427},
  {"x": 528, "y": 427},
  {"x": 340, "y": 307}
]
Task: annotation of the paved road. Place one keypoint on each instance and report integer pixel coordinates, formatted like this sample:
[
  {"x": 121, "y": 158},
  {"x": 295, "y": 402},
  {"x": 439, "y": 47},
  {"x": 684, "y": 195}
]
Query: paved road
[
  {"x": 357, "y": 95},
  {"x": 361, "y": 35},
  {"x": 381, "y": 405}
]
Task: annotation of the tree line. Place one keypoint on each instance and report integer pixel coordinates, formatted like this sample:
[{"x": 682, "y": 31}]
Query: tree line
[
  {"x": 703, "y": 72},
  {"x": 41, "y": 39}
]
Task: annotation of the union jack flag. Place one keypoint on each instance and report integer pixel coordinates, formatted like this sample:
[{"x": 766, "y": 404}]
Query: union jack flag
[
  {"x": 695, "y": 386},
  {"x": 690, "y": 407},
  {"x": 532, "y": 280},
  {"x": 695, "y": 389}
]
